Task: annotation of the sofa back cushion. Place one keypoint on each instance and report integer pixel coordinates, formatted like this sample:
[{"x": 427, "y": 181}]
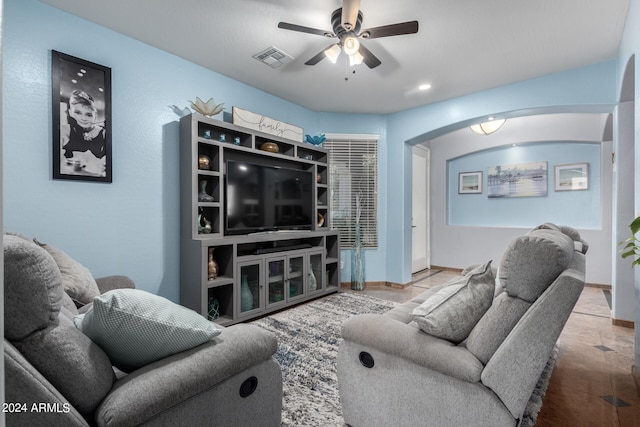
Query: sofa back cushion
[
  {"x": 453, "y": 311},
  {"x": 529, "y": 266},
  {"x": 495, "y": 325},
  {"x": 77, "y": 280},
  {"x": 33, "y": 291},
  {"x": 70, "y": 361},
  {"x": 533, "y": 261}
]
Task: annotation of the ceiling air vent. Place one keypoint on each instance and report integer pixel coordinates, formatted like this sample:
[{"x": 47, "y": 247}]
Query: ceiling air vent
[{"x": 273, "y": 57}]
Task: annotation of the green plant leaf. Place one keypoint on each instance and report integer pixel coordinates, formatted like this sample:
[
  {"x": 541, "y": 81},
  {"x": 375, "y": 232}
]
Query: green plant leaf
[
  {"x": 635, "y": 226},
  {"x": 631, "y": 246}
]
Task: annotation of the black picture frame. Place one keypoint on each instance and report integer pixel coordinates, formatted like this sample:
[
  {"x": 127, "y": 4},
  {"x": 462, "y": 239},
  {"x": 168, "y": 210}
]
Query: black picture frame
[{"x": 81, "y": 148}]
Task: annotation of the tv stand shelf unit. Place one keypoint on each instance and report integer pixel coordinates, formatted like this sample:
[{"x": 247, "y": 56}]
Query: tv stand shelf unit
[{"x": 257, "y": 272}]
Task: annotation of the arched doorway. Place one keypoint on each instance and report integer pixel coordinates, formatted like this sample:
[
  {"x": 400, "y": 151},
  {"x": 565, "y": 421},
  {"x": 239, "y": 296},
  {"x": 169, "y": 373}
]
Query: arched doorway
[{"x": 624, "y": 302}]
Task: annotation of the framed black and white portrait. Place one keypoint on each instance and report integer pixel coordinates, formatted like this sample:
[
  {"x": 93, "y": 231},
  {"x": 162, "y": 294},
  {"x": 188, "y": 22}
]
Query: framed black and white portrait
[{"x": 81, "y": 98}]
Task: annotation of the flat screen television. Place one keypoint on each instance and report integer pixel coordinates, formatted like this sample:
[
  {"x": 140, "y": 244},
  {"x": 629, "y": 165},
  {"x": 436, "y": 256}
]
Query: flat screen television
[{"x": 266, "y": 198}]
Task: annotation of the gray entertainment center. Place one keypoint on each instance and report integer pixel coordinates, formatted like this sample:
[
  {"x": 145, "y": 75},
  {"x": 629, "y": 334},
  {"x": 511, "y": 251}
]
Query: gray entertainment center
[{"x": 250, "y": 247}]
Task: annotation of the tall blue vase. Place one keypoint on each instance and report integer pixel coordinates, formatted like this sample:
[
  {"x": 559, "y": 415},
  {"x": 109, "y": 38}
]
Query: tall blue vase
[
  {"x": 357, "y": 262},
  {"x": 246, "y": 297}
]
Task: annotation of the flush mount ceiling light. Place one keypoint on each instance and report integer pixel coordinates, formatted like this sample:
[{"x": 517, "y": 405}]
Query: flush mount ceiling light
[{"x": 488, "y": 127}]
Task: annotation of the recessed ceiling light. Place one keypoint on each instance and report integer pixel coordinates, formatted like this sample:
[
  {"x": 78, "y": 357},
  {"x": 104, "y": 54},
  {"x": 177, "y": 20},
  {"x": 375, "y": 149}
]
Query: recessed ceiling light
[{"x": 424, "y": 86}]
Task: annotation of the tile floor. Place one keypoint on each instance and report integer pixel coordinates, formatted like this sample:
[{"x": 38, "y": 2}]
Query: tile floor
[{"x": 592, "y": 383}]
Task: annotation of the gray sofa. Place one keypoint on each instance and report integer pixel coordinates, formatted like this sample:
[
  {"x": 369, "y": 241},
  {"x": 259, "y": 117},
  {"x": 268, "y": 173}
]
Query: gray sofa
[
  {"x": 56, "y": 375},
  {"x": 477, "y": 366}
]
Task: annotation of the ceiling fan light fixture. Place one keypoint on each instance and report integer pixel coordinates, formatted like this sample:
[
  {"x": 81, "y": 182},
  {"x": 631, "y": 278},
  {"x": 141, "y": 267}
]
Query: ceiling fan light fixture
[
  {"x": 332, "y": 53},
  {"x": 355, "y": 59},
  {"x": 487, "y": 128},
  {"x": 351, "y": 45}
]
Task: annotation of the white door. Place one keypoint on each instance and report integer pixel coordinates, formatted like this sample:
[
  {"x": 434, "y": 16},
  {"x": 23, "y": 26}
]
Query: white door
[{"x": 420, "y": 211}]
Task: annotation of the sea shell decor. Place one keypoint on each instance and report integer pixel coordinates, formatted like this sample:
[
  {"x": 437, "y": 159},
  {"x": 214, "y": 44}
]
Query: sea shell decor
[
  {"x": 316, "y": 139},
  {"x": 209, "y": 108}
]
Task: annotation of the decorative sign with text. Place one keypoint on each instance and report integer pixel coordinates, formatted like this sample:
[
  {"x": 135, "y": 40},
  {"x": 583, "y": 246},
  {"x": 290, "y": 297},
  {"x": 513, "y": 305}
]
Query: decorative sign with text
[{"x": 265, "y": 124}]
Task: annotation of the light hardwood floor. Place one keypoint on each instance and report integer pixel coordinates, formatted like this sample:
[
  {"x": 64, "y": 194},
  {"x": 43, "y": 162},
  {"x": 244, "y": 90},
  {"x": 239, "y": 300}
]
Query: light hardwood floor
[{"x": 592, "y": 382}]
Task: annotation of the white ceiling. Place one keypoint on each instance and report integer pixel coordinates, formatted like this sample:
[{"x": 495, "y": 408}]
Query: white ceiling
[{"x": 462, "y": 47}]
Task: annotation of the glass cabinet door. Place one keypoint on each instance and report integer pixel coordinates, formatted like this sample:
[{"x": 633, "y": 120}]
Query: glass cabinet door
[
  {"x": 275, "y": 281},
  {"x": 315, "y": 280},
  {"x": 249, "y": 287},
  {"x": 295, "y": 276}
]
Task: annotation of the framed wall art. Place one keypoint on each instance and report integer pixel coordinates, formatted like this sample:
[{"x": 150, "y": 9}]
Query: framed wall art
[
  {"x": 571, "y": 177},
  {"x": 81, "y": 119},
  {"x": 470, "y": 183},
  {"x": 518, "y": 180}
]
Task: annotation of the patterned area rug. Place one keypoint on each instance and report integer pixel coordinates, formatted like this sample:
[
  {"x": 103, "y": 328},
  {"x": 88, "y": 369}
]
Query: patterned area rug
[{"x": 308, "y": 339}]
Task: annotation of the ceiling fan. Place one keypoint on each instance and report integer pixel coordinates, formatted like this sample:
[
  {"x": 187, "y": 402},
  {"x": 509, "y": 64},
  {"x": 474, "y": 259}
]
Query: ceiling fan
[{"x": 346, "y": 22}]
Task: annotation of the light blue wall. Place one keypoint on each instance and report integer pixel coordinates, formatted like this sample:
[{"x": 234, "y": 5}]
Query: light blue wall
[
  {"x": 630, "y": 48},
  {"x": 587, "y": 89},
  {"x": 581, "y": 209},
  {"x": 131, "y": 226}
]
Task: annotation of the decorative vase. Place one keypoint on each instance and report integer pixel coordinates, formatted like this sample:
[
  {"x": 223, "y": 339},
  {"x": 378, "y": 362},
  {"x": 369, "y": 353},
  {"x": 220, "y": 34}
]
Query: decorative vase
[
  {"x": 313, "y": 283},
  {"x": 271, "y": 147},
  {"x": 357, "y": 262},
  {"x": 212, "y": 267},
  {"x": 206, "y": 228},
  {"x": 203, "y": 196},
  {"x": 246, "y": 297},
  {"x": 223, "y": 138}
]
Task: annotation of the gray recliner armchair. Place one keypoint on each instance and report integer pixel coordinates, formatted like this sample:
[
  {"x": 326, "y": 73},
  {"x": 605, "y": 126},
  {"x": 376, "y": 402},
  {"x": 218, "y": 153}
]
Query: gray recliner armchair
[
  {"x": 392, "y": 372},
  {"x": 56, "y": 375}
]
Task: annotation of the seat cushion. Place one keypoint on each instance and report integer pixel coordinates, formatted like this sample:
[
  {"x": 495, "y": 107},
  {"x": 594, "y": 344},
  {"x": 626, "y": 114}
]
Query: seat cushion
[
  {"x": 452, "y": 312},
  {"x": 136, "y": 328}
]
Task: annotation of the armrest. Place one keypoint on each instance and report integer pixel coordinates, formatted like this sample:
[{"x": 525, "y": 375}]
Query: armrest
[
  {"x": 408, "y": 342},
  {"x": 148, "y": 391},
  {"x": 109, "y": 283}
]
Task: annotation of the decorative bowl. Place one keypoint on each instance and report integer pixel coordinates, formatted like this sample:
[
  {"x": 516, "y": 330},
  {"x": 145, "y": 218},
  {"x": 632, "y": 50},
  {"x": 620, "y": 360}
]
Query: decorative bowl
[
  {"x": 270, "y": 146},
  {"x": 316, "y": 139}
]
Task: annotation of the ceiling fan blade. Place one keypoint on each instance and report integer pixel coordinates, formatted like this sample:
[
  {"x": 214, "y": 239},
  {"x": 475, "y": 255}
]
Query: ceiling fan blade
[
  {"x": 350, "y": 9},
  {"x": 368, "y": 58},
  {"x": 302, "y": 29},
  {"x": 319, "y": 57},
  {"x": 409, "y": 27}
]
